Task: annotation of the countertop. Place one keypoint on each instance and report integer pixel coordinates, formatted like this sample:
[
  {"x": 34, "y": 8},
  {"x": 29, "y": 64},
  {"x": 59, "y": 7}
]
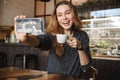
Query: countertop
[
  {"x": 10, "y": 44},
  {"x": 106, "y": 57}
]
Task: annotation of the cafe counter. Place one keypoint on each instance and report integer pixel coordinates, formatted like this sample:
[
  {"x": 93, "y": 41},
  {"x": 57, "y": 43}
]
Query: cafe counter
[
  {"x": 106, "y": 57},
  {"x": 108, "y": 66},
  {"x": 18, "y": 48}
]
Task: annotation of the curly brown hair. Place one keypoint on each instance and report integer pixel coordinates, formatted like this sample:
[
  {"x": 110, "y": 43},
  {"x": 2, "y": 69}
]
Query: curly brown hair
[{"x": 55, "y": 28}]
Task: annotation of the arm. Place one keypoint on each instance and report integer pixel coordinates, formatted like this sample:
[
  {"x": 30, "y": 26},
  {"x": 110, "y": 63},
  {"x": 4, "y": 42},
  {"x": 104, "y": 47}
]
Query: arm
[
  {"x": 84, "y": 52},
  {"x": 84, "y": 60},
  {"x": 83, "y": 49},
  {"x": 81, "y": 42},
  {"x": 31, "y": 40}
]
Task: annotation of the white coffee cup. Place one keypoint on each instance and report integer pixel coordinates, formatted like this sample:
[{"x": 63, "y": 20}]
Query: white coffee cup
[{"x": 61, "y": 38}]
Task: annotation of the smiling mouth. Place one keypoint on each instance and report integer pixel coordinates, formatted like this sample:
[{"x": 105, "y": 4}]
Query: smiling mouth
[{"x": 66, "y": 23}]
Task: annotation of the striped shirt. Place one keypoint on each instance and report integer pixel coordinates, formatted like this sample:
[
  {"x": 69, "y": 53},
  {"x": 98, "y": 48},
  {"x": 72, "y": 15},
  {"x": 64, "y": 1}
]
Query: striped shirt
[{"x": 69, "y": 63}]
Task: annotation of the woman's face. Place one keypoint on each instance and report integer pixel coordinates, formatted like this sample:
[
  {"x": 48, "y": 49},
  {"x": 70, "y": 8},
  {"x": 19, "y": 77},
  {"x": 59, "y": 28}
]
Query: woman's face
[{"x": 64, "y": 16}]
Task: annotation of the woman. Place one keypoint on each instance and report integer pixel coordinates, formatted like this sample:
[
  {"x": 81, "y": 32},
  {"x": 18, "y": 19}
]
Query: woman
[{"x": 67, "y": 60}]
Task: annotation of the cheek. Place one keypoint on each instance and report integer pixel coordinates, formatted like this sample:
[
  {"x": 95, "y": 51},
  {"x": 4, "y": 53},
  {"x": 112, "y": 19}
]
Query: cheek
[
  {"x": 59, "y": 20},
  {"x": 71, "y": 18}
]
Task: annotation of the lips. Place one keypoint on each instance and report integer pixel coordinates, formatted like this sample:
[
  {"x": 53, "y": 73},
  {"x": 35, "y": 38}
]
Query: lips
[{"x": 66, "y": 23}]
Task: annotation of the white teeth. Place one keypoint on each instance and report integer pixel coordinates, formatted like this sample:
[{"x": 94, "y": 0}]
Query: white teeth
[{"x": 65, "y": 22}]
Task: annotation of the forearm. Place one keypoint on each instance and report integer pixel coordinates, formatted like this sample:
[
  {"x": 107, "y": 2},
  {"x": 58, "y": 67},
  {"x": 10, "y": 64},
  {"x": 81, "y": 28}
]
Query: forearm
[
  {"x": 31, "y": 40},
  {"x": 84, "y": 60}
]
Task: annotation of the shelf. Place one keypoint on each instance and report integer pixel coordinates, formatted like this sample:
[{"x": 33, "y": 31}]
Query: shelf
[
  {"x": 110, "y": 22},
  {"x": 102, "y": 19},
  {"x": 6, "y": 28},
  {"x": 106, "y": 57},
  {"x": 104, "y": 32},
  {"x": 110, "y": 28},
  {"x": 106, "y": 38}
]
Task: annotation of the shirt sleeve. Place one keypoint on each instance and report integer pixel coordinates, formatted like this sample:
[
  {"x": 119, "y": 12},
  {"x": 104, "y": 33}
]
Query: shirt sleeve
[
  {"x": 84, "y": 39},
  {"x": 45, "y": 41}
]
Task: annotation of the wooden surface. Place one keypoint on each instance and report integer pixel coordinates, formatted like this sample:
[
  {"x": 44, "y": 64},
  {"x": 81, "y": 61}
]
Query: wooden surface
[
  {"x": 14, "y": 73},
  {"x": 107, "y": 57}
]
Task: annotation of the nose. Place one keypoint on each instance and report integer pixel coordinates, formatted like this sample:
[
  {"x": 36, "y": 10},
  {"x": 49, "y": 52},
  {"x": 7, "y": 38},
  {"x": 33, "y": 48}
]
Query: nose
[{"x": 64, "y": 16}]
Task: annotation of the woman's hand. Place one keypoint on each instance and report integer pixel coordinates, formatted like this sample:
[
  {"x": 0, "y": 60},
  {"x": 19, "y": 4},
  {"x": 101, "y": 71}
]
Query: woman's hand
[
  {"x": 73, "y": 42},
  {"x": 19, "y": 35}
]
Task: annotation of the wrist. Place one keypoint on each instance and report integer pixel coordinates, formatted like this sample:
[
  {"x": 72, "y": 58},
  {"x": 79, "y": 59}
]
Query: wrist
[{"x": 80, "y": 48}]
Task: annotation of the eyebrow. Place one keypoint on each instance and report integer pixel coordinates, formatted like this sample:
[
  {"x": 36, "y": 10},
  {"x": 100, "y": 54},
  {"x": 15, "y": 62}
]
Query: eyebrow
[{"x": 65, "y": 11}]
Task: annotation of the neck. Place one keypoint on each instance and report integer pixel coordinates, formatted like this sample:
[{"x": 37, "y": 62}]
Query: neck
[{"x": 69, "y": 32}]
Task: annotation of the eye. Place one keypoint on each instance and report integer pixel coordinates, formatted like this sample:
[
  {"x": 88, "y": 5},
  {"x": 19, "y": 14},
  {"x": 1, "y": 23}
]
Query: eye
[
  {"x": 58, "y": 15},
  {"x": 68, "y": 12}
]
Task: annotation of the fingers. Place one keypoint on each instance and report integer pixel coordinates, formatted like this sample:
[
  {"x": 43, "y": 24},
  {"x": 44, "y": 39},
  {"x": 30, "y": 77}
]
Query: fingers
[
  {"x": 72, "y": 41},
  {"x": 19, "y": 36},
  {"x": 18, "y": 17},
  {"x": 21, "y": 16}
]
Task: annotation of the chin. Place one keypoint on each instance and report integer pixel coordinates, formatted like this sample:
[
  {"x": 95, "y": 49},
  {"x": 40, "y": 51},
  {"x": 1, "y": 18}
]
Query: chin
[{"x": 67, "y": 28}]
